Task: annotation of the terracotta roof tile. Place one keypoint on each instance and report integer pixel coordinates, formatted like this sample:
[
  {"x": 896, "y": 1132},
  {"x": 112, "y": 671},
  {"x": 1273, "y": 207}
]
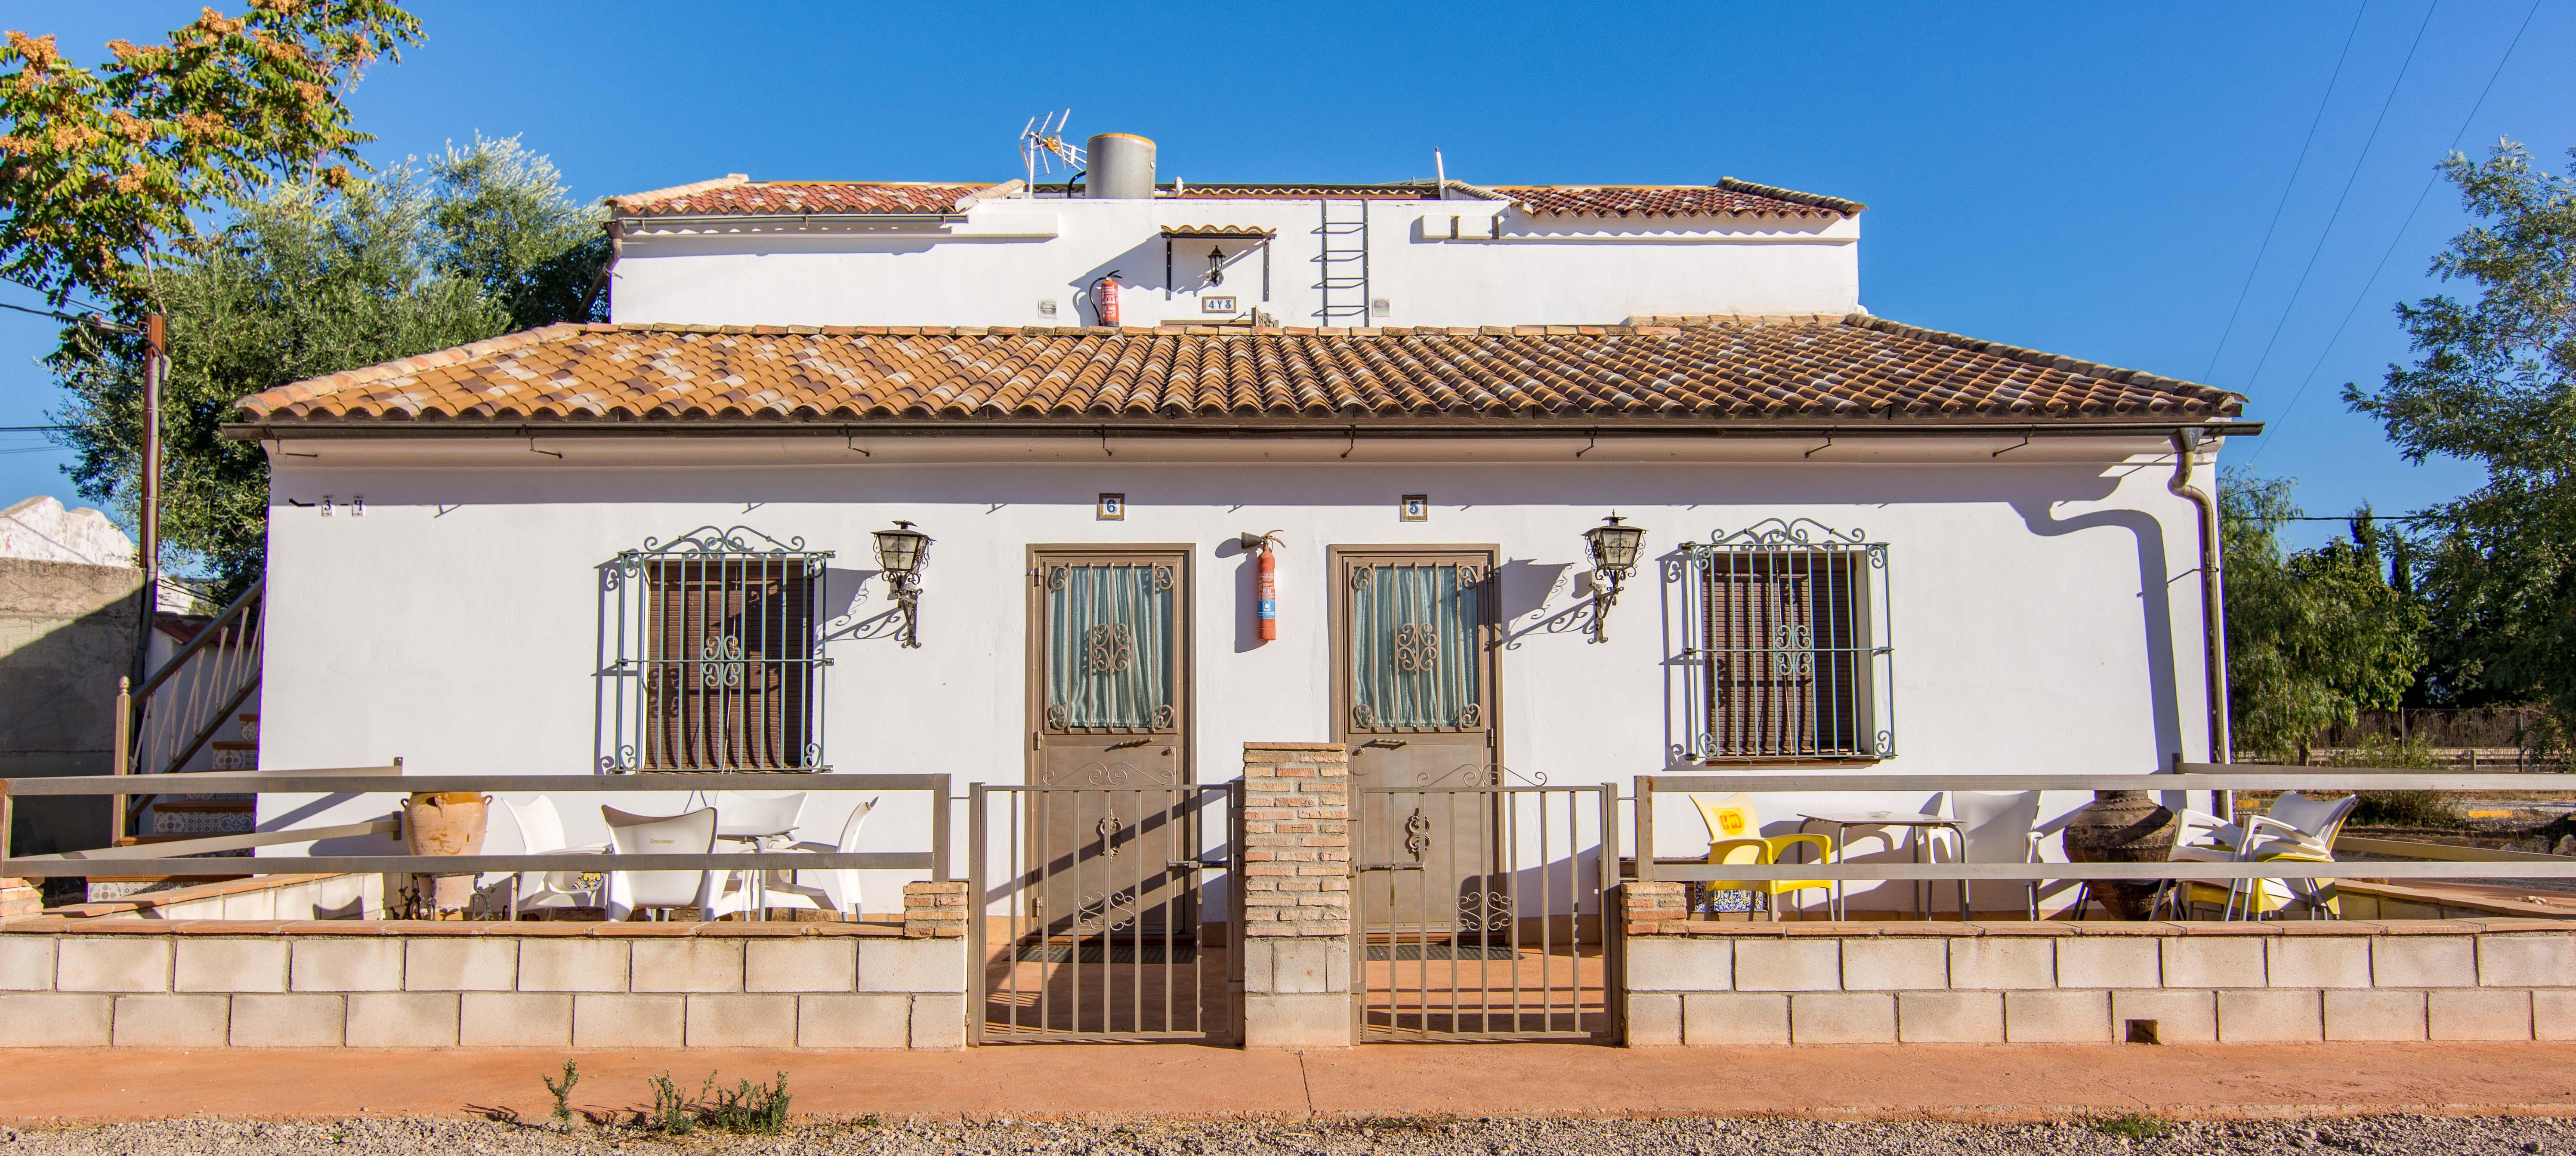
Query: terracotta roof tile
[
  {"x": 1686, "y": 369},
  {"x": 1726, "y": 198},
  {"x": 739, "y": 195}
]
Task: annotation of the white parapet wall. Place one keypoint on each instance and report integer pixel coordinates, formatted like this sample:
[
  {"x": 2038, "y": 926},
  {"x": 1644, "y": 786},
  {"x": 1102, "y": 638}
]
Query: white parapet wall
[{"x": 1700, "y": 983}]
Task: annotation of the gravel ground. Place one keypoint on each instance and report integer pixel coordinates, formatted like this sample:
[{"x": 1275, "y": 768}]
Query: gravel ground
[{"x": 2428, "y": 1136}]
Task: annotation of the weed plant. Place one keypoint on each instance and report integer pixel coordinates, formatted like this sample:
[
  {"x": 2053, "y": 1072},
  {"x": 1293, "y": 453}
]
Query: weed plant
[
  {"x": 757, "y": 1109},
  {"x": 563, "y": 1093},
  {"x": 2133, "y": 1126}
]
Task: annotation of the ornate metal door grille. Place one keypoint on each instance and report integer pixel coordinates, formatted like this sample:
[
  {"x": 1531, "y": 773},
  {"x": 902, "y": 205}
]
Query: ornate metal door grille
[
  {"x": 1132, "y": 949},
  {"x": 1502, "y": 939}
]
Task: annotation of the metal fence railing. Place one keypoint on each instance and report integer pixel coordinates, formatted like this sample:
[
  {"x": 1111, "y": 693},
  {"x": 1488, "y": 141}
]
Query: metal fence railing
[
  {"x": 173, "y": 857},
  {"x": 1104, "y": 912},
  {"x": 2438, "y": 862},
  {"x": 1477, "y": 911}
]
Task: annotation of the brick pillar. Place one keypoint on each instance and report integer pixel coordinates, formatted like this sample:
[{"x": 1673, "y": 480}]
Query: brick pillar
[
  {"x": 20, "y": 898},
  {"x": 1296, "y": 895},
  {"x": 1646, "y": 908},
  {"x": 934, "y": 910}
]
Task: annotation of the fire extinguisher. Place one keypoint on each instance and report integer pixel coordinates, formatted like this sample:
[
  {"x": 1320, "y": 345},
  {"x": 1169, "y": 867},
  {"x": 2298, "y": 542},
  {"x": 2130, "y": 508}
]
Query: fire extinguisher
[
  {"x": 1265, "y": 583},
  {"x": 1104, "y": 297}
]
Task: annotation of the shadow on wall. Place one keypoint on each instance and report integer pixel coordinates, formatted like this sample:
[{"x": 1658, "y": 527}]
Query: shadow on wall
[
  {"x": 2155, "y": 579},
  {"x": 66, "y": 636}
]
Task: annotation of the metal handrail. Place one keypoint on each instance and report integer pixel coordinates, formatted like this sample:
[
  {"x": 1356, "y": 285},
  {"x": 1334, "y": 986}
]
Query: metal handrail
[
  {"x": 227, "y": 614},
  {"x": 2456, "y": 862},
  {"x": 389, "y": 780},
  {"x": 2564, "y": 868}
]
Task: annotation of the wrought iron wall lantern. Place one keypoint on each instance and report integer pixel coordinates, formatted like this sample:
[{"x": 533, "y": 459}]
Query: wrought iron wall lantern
[
  {"x": 900, "y": 553},
  {"x": 1614, "y": 556}
]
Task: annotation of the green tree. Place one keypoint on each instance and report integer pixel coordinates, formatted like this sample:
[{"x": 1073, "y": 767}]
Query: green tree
[
  {"x": 100, "y": 169},
  {"x": 303, "y": 282},
  {"x": 2494, "y": 382},
  {"x": 2313, "y": 636}
]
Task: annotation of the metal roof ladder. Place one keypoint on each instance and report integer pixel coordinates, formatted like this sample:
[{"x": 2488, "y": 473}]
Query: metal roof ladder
[{"x": 1342, "y": 263}]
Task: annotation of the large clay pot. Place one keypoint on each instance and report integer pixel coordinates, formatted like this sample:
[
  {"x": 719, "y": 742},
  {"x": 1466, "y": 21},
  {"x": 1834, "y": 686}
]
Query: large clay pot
[
  {"x": 2121, "y": 827},
  {"x": 447, "y": 823}
]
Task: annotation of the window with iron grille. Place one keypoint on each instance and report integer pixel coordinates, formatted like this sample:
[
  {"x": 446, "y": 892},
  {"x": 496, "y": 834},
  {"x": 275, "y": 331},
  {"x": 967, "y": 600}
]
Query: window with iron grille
[
  {"x": 1786, "y": 644},
  {"x": 719, "y": 662}
]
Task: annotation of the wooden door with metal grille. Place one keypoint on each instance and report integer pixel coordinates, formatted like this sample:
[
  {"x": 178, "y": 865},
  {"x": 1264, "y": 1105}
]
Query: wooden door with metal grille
[
  {"x": 1109, "y": 707},
  {"x": 1416, "y": 700}
]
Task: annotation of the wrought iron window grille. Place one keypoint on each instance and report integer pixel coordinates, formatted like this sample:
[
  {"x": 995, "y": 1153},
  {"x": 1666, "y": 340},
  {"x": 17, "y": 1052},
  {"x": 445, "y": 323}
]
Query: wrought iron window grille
[
  {"x": 1785, "y": 641},
  {"x": 715, "y": 654}
]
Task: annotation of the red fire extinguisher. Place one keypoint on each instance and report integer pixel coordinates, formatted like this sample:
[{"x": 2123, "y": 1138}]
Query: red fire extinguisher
[
  {"x": 1104, "y": 297},
  {"x": 1265, "y": 584}
]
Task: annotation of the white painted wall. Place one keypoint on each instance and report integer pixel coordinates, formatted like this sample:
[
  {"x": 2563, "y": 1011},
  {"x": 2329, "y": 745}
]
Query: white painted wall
[
  {"x": 1009, "y": 255},
  {"x": 2045, "y": 615}
]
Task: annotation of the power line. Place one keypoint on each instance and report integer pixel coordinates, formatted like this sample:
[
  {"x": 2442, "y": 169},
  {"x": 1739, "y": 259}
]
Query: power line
[
  {"x": 2376, "y": 517},
  {"x": 41, "y": 289},
  {"x": 2349, "y": 180},
  {"x": 42, "y": 313},
  {"x": 2408, "y": 223},
  {"x": 2301, "y": 165}
]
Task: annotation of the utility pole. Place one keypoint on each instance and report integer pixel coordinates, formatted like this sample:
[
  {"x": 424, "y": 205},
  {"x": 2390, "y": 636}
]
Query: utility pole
[{"x": 154, "y": 358}]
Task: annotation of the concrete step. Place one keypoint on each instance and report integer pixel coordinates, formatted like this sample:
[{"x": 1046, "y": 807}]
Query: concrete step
[
  {"x": 202, "y": 804},
  {"x": 185, "y": 818}
]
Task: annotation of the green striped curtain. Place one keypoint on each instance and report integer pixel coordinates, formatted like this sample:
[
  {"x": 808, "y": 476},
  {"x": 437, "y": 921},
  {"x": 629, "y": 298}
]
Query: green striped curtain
[
  {"x": 1109, "y": 654},
  {"x": 1413, "y": 648}
]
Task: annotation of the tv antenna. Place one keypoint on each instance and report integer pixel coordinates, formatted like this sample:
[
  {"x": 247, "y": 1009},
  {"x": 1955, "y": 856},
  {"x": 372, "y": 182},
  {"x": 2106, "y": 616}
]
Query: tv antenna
[{"x": 1042, "y": 145}]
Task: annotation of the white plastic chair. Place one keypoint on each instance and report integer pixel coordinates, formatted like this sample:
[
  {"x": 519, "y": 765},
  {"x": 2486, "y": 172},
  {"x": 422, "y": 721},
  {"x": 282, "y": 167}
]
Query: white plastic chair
[
  {"x": 691, "y": 832},
  {"x": 2296, "y": 827},
  {"x": 834, "y": 889},
  {"x": 540, "y": 832},
  {"x": 2199, "y": 837},
  {"x": 745, "y": 815},
  {"x": 760, "y": 821},
  {"x": 2297, "y": 823},
  {"x": 1994, "y": 827}
]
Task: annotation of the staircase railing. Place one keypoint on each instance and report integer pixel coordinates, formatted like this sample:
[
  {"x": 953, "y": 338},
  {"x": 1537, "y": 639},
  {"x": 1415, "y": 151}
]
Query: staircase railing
[{"x": 181, "y": 708}]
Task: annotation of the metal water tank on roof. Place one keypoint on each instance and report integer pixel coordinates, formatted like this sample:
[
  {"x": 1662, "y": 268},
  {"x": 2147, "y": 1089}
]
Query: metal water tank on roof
[{"x": 1121, "y": 165}]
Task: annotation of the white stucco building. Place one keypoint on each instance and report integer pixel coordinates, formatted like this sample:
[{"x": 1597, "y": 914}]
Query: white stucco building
[{"x": 1866, "y": 545}]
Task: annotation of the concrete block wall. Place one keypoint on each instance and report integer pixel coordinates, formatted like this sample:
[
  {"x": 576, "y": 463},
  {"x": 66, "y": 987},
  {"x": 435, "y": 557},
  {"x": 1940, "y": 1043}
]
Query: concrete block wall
[
  {"x": 1295, "y": 830},
  {"x": 1696, "y": 983},
  {"x": 210, "y": 984}
]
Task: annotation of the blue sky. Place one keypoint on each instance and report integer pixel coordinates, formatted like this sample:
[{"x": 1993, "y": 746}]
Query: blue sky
[{"x": 2093, "y": 180}]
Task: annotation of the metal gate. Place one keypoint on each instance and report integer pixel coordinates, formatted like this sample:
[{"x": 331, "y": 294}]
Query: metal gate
[
  {"x": 1096, "y": 915},
  {"x": 1477, "y": 910}
]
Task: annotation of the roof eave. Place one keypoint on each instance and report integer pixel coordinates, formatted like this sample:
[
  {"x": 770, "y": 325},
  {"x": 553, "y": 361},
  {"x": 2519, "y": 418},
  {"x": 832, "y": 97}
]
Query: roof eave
[
  {"x": 1166, "y": 426},
  {"x": 777, "y": 222}
]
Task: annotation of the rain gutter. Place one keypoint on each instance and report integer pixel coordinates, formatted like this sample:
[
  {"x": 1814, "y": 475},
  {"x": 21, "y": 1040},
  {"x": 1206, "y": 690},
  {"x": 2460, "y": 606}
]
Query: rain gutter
[{"x": 1088, "y": 427}]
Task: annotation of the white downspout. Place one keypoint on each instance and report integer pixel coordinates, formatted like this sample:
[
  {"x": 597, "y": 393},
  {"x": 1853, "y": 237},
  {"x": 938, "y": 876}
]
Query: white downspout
[{"x": 2213, "y": 608}]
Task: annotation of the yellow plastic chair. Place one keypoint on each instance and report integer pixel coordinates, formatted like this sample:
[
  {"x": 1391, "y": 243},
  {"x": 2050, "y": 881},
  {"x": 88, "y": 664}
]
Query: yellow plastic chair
[{"x": 1735, "y": 838}]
